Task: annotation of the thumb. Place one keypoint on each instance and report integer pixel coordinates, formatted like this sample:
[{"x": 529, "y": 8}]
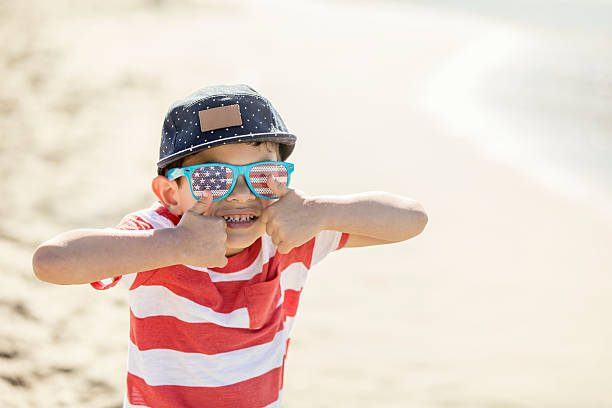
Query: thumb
[
  {"x": 202, "y": 206},
  {"x": 278, "y": 188}
]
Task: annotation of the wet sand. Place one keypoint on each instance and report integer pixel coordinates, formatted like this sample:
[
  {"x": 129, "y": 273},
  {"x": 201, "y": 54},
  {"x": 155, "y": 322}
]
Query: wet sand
[{"x": 501, "y": 301}]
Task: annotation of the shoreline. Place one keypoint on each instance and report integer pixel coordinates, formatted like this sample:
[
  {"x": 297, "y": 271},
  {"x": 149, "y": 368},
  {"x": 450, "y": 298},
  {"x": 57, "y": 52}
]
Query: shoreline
[{"x": 459, "y": 96}]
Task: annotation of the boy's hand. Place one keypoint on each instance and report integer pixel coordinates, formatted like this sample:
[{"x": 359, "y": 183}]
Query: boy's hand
[
  {"x": 201, "y": 237},
  {"x": 290, "y": 221}
]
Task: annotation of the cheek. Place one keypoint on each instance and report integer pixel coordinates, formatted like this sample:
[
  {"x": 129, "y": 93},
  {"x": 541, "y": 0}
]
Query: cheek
[
  {"x": 187, "y": 200},
  {"x": 266, "y": 202}
]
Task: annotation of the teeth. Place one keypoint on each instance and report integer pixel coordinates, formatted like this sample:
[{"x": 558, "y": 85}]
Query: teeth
[{"x": 239, "y": 218}]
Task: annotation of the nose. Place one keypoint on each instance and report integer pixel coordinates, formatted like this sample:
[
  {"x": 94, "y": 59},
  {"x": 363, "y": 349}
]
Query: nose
[{"x": 241, "y": 191}]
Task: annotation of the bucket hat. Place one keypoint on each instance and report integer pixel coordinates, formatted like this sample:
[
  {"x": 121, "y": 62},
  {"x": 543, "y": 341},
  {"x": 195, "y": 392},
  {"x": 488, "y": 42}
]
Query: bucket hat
[{"x": 217, "y": 115}]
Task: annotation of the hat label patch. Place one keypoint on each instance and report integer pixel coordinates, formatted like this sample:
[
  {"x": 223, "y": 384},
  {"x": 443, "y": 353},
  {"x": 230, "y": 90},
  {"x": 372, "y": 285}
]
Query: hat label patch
[{"x": 220, "y": 117}]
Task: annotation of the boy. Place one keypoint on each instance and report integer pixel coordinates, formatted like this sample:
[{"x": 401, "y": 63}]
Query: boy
[{"x": 215, "y": 268}]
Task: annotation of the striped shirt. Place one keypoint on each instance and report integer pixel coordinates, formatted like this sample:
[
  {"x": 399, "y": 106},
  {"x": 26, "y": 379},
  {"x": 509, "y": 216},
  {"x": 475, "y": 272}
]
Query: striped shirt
[{"x": 213, "y": 337}]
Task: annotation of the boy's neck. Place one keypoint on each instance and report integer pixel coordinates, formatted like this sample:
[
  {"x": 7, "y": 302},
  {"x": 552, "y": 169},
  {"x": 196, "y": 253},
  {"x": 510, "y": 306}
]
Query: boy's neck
[{"x": 233, "y": 251}]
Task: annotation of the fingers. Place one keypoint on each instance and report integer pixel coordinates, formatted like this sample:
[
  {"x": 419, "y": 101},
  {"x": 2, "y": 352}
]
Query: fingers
[
  {"x": 264, "y": 216},
  {"x": 271, "y": 231},
  {"x": 278, "y": 240},
  {"x": 202, "y": 206},
  {"x": 281, "y": 245},
  {"x": 278, "y": 188},
  {"x": 267, "y": 217}
]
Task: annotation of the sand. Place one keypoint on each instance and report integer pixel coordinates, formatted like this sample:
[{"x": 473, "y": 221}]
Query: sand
[{"x": 501, "y": 302}]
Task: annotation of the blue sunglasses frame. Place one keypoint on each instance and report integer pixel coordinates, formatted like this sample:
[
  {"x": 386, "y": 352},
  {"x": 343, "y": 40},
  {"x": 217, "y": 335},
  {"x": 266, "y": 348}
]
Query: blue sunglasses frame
[{"x": 236, "y": 170}]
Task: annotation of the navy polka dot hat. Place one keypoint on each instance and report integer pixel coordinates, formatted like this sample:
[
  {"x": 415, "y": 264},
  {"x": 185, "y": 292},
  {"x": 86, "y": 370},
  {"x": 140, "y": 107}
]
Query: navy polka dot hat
[{"x": 217, "y": 115}]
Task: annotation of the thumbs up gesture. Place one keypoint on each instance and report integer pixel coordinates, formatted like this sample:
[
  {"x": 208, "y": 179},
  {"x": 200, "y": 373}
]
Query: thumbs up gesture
[
  {"x": 201, "y": 237},
  {"x": 292, "y": 220}
]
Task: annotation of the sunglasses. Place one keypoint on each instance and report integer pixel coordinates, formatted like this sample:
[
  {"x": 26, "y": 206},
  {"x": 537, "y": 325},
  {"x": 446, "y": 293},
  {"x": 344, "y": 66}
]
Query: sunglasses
[{"x": 220, "y": 178}]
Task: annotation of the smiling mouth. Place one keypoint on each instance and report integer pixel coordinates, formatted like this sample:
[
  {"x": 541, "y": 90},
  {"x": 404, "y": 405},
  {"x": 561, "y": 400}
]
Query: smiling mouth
[{"x": 239, "y": 218}]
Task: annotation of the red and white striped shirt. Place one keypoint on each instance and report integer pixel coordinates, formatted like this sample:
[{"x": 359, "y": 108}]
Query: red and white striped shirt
[{"x": 214, "y": 337}]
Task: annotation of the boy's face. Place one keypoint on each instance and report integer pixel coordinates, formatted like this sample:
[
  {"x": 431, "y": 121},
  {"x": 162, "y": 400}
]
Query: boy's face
[{"x": 240, "y": 198}]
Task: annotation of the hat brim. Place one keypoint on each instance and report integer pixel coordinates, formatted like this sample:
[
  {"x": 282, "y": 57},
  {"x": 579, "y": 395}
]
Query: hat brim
[{"x": 285, "y": 140}]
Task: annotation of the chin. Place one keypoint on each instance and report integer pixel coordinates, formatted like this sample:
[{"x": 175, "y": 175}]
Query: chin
[
  {"x": 238, "y": 238},
  {"x": 235, "y": 240}
]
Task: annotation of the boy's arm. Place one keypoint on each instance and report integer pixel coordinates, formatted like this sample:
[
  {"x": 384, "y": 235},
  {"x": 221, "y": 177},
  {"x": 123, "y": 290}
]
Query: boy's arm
[
  {"x": 90, "y": 255},
  {"x": 371, "y": 218}
]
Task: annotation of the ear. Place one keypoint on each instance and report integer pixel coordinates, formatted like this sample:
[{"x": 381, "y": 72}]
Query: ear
[{"x": 167, "y": 193}]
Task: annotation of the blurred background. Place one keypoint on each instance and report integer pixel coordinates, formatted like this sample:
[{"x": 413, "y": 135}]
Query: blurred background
[{"x": 496, "y": 116}]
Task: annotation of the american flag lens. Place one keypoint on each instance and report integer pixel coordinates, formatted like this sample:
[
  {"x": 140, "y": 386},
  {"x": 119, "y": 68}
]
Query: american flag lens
[
  {"x": 216, "y": 179},
  {"x": 258, "y": 176}
]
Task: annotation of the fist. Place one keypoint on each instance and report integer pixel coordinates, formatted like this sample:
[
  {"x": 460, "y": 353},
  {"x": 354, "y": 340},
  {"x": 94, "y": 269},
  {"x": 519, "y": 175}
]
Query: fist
[
  {"x": 292, "y": 220},
  {"x": 201, "y": 237}
]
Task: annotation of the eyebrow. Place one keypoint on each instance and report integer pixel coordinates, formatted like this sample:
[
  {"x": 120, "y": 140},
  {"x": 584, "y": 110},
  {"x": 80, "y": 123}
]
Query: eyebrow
[
  {"x": 197, "y": 162},
  {"x": 203, "y": 163}
]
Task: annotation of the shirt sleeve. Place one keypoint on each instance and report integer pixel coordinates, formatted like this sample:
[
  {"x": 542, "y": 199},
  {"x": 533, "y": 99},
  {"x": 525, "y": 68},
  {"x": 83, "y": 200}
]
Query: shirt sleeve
[
  {"x": 129, "y": 222},
  {"x": 325, "y": 242}
]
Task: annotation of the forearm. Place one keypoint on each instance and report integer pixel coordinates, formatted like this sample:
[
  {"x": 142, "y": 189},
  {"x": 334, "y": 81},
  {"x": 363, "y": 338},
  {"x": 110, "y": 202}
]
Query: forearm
[
  {"x": 375, "y": 214},
  {"x": 88, "y": 255}
]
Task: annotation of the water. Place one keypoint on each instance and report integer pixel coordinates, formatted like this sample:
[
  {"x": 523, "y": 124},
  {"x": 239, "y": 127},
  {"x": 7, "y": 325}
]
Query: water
[{"x": 535, "y": 92}]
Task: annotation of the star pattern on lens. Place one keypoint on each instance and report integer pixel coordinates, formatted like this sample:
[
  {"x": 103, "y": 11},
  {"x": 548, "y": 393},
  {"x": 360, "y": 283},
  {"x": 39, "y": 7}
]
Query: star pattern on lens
[{"x": 216, "y": 179}]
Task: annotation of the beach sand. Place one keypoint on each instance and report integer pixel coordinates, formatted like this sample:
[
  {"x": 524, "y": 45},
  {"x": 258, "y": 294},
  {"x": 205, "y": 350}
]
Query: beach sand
[{"x": 501, "y": 302}]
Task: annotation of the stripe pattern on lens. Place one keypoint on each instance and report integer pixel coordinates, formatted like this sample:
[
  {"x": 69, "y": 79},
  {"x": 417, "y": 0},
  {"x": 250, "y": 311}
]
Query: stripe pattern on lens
[{"x": 259, "y": 175}]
